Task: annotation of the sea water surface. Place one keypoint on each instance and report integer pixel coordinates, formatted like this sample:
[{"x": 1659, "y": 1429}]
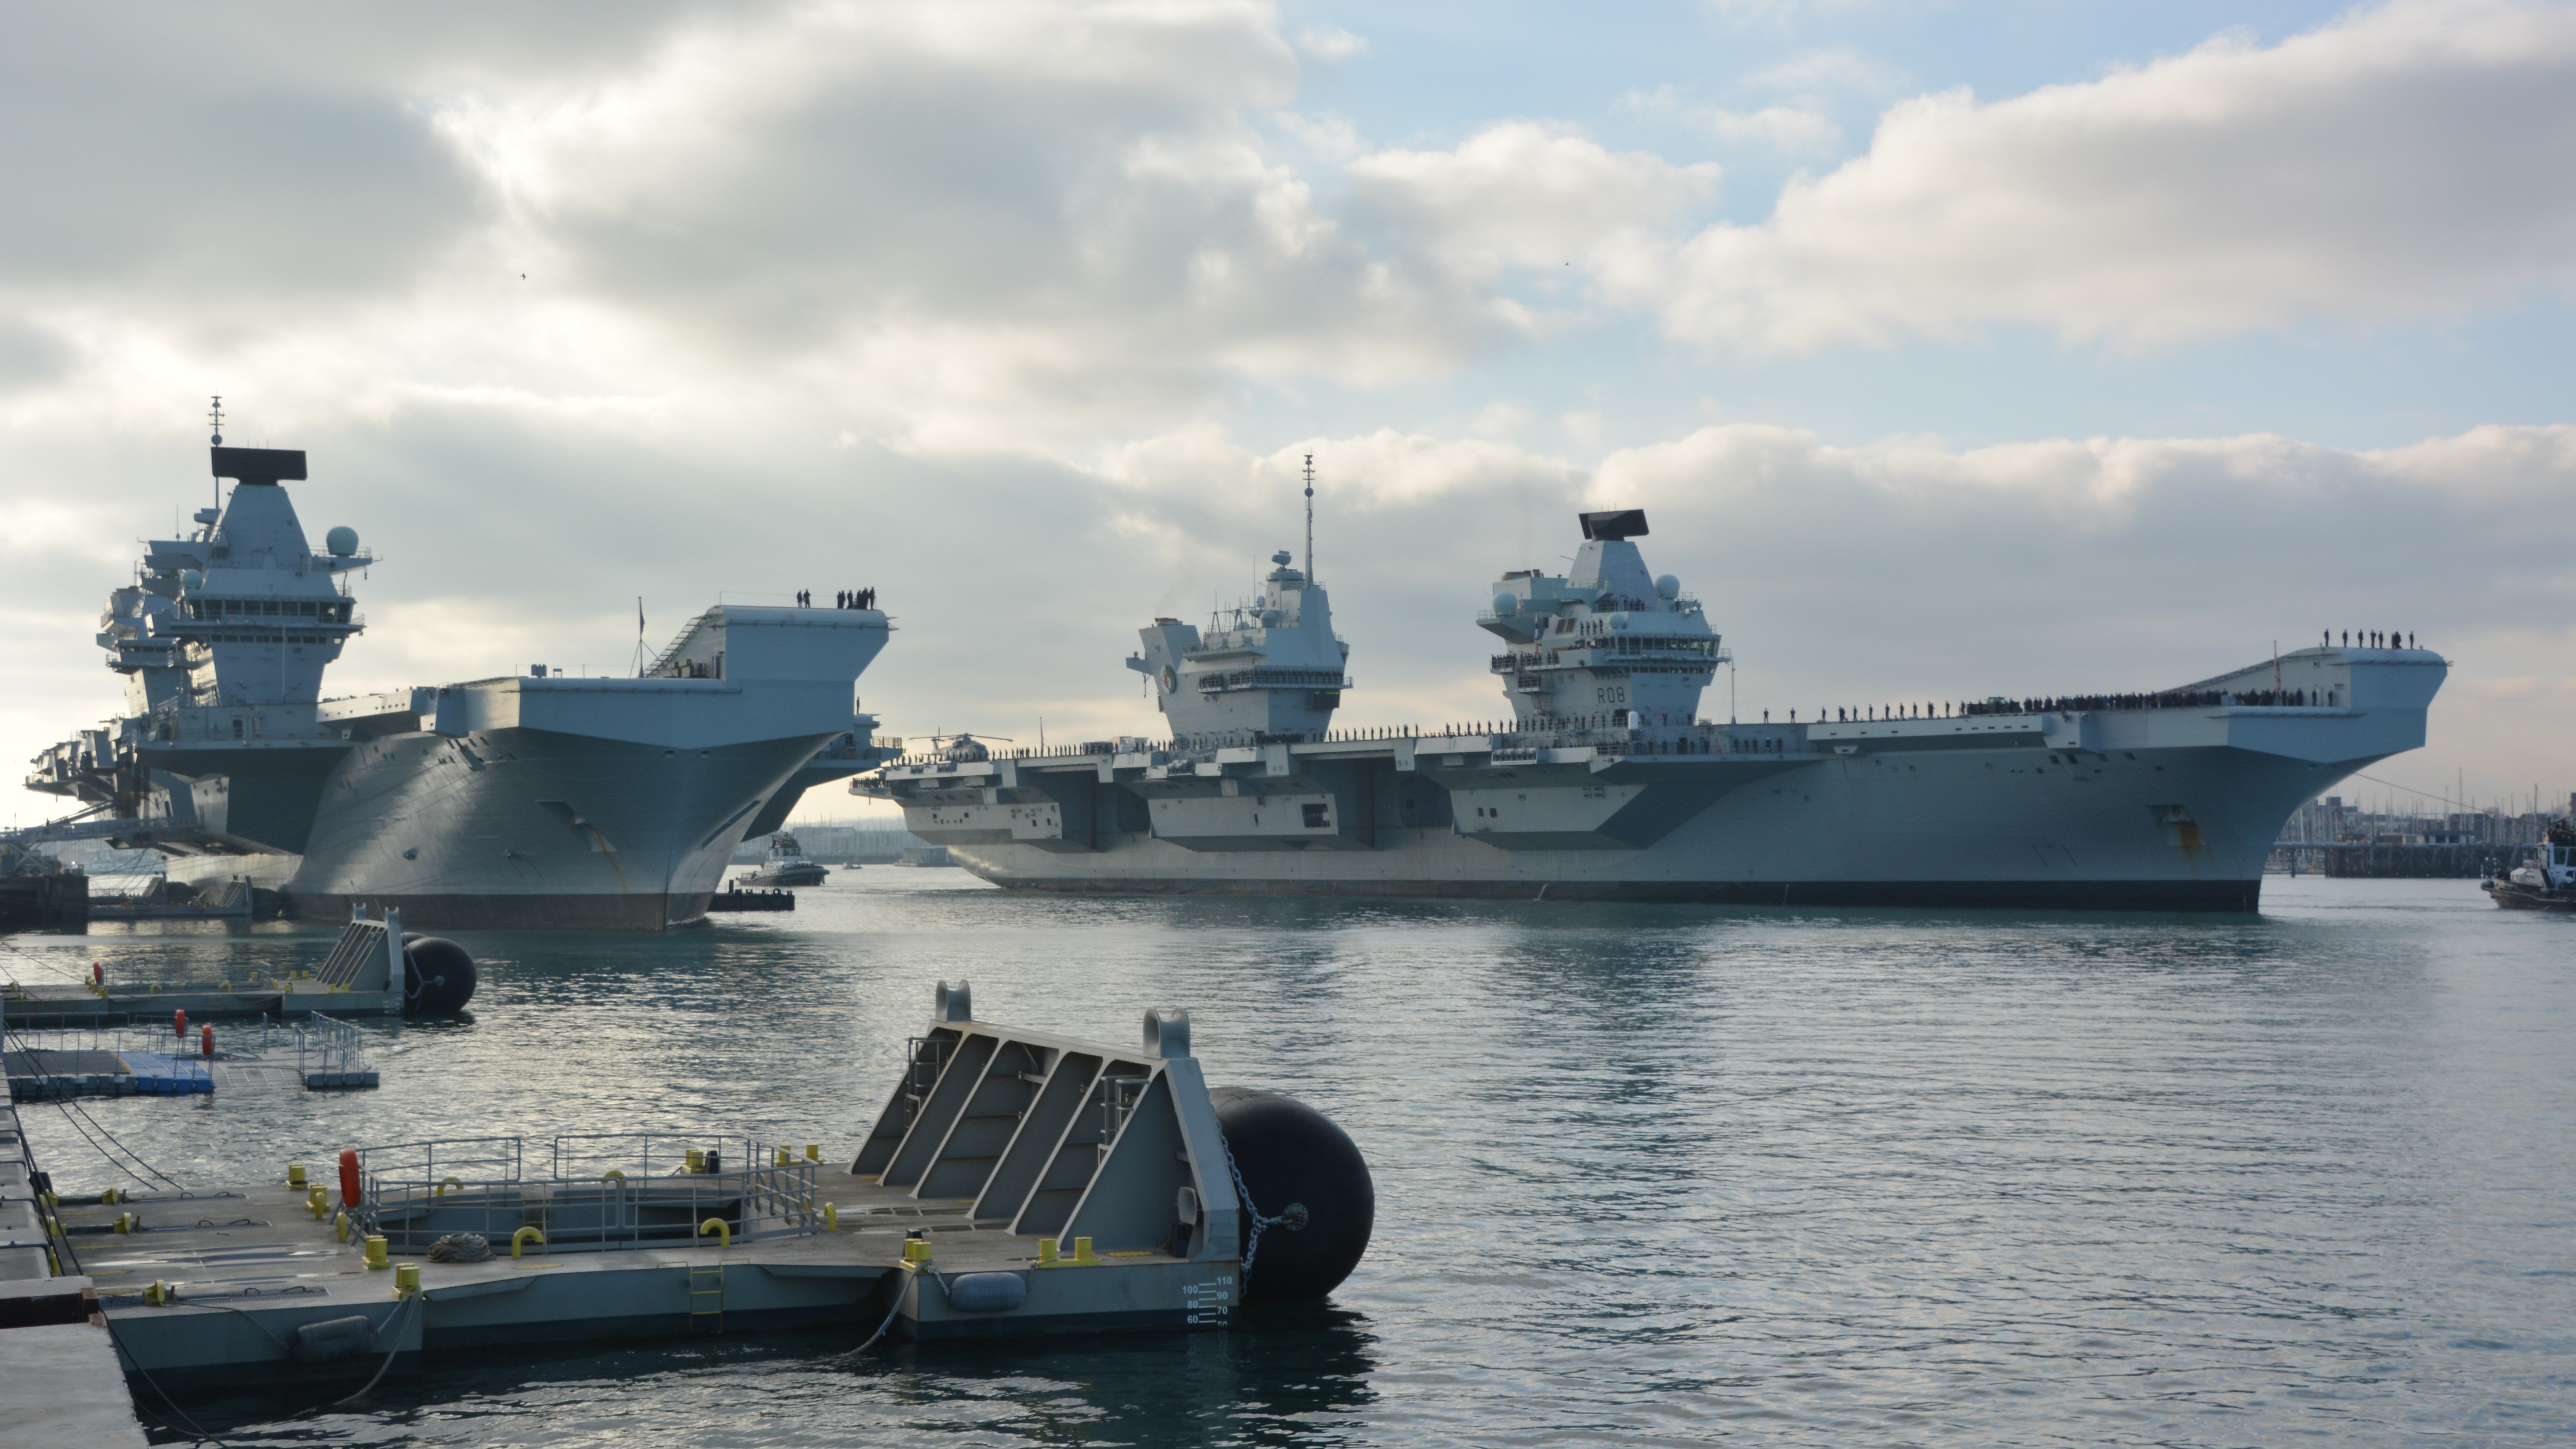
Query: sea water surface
[{"x": 1645, "y": 1174}]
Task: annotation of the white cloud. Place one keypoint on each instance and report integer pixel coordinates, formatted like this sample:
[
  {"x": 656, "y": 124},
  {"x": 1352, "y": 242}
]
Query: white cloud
[
  {"x": 2403, "y": 162},
  {"x": 1791, "y": 129},
  {"x": 1329, "y": 44},
  {"x": 958, "y": 223},
  {"x": 1814, "y": 72},
  {"x": 1377, "y": 471},
  {"x": 1522, "y": 194},
  {"x": 967, "y": 302},
  {"x": 1782, "y": 13},
  {"x": 2222, "y": 534},
  {"x": 1501, "y": 420}
]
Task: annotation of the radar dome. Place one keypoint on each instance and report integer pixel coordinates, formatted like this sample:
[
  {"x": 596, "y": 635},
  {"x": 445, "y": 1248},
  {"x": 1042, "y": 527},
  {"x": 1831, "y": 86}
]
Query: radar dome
[
  {"x": 1506, "y": 605},
  {"x": 1668, "y": 587},
  {"x": 342, "y": 541},
  {"x": 191, "y": 580}
]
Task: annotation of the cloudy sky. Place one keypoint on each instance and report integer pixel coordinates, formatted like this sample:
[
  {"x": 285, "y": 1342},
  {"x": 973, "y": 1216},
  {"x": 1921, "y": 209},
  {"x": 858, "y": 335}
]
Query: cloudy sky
[{"x": 1954, "y": 349}]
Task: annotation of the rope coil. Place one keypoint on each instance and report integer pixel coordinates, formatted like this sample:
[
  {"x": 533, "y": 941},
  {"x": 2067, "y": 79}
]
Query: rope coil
[{"x": 461, "y": 1248}]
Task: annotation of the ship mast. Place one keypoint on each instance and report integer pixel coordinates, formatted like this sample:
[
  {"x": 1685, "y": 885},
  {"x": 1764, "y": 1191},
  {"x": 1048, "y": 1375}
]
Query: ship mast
[
  {"x": 218, "y": 416},
  {"x": 1310, "y": 518}
]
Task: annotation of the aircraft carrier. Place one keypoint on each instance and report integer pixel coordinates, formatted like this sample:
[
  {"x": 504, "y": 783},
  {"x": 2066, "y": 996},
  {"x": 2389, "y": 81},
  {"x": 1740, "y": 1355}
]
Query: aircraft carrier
[
  {"x": 531, "y": 800},
  {"x": 1606, "y": 784}
]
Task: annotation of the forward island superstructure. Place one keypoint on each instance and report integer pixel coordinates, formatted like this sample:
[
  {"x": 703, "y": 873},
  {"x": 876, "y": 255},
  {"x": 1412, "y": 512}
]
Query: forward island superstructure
[
  {"x": 1607, "y": 785},
  {"x": 521, "y": 801}
]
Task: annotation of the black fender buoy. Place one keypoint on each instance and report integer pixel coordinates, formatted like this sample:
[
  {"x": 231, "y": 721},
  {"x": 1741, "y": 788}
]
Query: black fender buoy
[
  {"x": 438, "y": 977},
  {"x": 1299, "y": 1167}
]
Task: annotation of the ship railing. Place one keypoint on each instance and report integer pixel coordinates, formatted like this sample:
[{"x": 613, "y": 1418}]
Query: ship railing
[
  {"x": 662, "y": 660},
  {"x": 468, "y": 1159},
  {"x": 2168, "y": 699},
  {"x": 603, "y": 1192},
  {"x": 1224, "y": 681},
  {"x": 1603, "y": 733},
  {"x": 98, "y": 1038},
  {"x": 325, "y": 1045}
]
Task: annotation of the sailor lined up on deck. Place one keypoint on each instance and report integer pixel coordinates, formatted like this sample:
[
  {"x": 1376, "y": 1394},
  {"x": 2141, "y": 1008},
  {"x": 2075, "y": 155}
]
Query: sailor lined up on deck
[
  {"x": 855, "y": 599},
  {"x": 2372, "y": 639}
]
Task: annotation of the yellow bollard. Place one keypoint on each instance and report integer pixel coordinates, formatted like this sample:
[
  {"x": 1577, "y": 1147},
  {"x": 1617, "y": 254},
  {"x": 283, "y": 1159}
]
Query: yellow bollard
[
  {"x": 157, "y": 1293},
  {"x": 125, "y": 1223},
  {"x": 406, "y": 1279},
  {"x": 343, "y": 1227},
  {"x": 375, "y": 1250},
  {"x": 831, "y": 1217},
  {"x": 317, "y": 1202},
  {"x": 813, "y": 1152},
  {"x": 697, "y": 1159},
  {"x": 778, "y": 1157},
  {"x": 1046, "y": 1253},
  {"x": 295, "y": 1174},
  {"x": 520, "y": 1240},
  {"x": 1082, "y": 1255},
  {"x": 916, "y": 1250},
  {"x": 722, "y": 1230},
  {"x": 444, "y": 1184},
  {"x": 108, "y": 1196}
]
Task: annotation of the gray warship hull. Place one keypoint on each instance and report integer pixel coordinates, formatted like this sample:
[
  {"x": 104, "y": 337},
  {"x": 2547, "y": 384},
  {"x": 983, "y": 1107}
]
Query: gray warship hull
[
  {"x": 2145, "y": 808},
  {"x": 539, "y": 803},
  {"x": 1607, "y": 785},
  {"x": 535, "y": 801},
  {"x": 415, "y": 826}
]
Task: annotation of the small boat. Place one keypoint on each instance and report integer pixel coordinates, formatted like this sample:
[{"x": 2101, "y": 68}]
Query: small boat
[
  {"x": 2546, "y": 881},
  {"x": 785, "y": 865}
]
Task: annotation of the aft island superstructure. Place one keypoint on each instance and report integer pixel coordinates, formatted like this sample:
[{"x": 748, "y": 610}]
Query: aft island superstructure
[
  {"x": 1607, "y": 785},
  {"x": 529, "y": 800}
]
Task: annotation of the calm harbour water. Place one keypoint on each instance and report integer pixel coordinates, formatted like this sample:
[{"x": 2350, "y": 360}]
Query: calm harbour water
[{"x": 1646, "y": 1175}]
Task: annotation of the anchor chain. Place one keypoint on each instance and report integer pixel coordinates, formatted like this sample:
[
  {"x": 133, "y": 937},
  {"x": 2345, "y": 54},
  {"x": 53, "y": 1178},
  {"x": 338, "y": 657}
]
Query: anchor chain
[{"x": 1292, "y": 1217}]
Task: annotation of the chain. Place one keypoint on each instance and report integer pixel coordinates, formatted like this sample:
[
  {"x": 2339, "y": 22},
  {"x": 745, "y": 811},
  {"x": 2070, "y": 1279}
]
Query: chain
[{"x": 1243, "y": 1194}]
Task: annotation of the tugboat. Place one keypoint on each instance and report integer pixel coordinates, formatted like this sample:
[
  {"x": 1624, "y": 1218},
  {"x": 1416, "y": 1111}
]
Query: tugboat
[
  {"x": 2545, "y": 882},
  {"x": 785, "y": 865}
]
